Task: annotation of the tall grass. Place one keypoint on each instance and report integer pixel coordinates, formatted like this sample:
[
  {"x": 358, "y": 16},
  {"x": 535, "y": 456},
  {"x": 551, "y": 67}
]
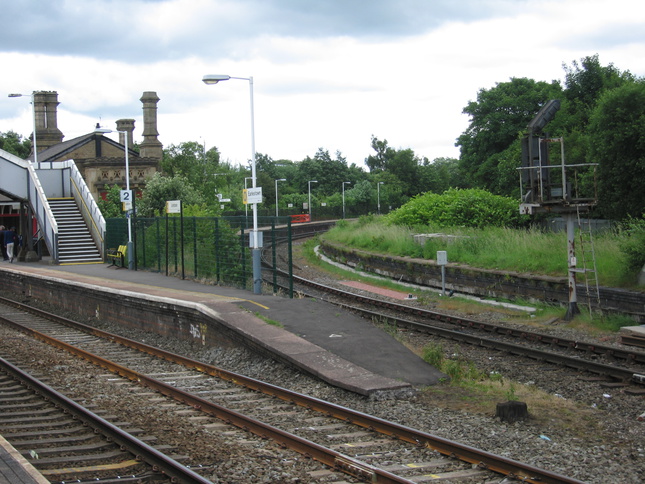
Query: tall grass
[{"x": 524, "y": 251}]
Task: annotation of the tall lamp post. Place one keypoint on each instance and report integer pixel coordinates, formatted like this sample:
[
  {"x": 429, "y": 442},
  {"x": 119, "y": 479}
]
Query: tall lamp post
[
  {"x": 276, "y": 194},
  {"x": 344, "y": 183},
  {"x": 378, "y": 196},
  {"x": 255, "y": 245},
  {"x": 309, "y": 185},
  {"x": 33, "y": 107},
  {"x": 130, "y": 245},
  {"x": 31, "y": 255}
]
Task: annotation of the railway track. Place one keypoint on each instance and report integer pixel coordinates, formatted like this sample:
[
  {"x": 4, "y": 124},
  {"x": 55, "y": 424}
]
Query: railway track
[
  {"x": 626, "y": 365},
  {"x": 67, "y": 442},
  {"x": 362, "y": 446}
]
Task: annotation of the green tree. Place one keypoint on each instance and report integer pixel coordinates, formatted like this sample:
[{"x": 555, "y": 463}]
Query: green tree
[
  {"x": 585, "y": 82},
  {"x": 497, "y": 118},
  {"x": 200, "y": 169},
  {"x": 160, "y": 189},
  {"x": 15, "y": 144},
  {"x": 617, "y": 144},
  {"x": 111, "y": 206}
]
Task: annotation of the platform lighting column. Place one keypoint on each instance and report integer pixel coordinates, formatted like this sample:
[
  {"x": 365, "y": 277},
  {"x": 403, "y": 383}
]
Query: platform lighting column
[
  {"x": 130, "y": 245},
  {"x": 344, "y": 183},
  {"x": 378, "y": 196},
  {"x": 33, "y": 108},
  {"x": 309, "y": 186},
  {"x": 255, "y": 246},
  {"x": 276, "y": 194},
  {"x": 30, "y": 250}
]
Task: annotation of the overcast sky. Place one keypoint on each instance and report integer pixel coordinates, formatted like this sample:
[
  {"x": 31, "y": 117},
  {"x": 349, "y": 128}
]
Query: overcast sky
[{"x": 327, "y": 73}]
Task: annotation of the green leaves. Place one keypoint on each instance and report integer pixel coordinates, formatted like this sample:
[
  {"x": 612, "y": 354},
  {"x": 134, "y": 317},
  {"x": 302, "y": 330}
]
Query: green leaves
[{"x": 458, "y": 208}]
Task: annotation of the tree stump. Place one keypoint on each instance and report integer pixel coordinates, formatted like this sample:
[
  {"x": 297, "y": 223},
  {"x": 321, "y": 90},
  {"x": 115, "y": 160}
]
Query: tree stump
[{"x": 512, "y": 411}]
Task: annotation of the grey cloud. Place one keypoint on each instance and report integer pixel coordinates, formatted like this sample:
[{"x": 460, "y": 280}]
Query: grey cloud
[{"x": 225, "y": 27}]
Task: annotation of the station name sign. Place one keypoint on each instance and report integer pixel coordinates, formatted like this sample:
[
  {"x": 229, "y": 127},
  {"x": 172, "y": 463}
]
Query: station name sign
[{"x": 252, "y": 195}]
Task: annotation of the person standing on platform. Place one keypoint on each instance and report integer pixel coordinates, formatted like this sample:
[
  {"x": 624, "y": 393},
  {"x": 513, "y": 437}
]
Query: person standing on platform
[
  {"x": 10, "y": 238},
  {"x": 2, "y": 247}
]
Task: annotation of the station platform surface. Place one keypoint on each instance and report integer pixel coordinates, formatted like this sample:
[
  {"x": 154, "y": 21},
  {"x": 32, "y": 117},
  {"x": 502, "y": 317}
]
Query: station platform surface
[
  {"x": 316, "y": 336},
  {"x": 15, "y": 469}
]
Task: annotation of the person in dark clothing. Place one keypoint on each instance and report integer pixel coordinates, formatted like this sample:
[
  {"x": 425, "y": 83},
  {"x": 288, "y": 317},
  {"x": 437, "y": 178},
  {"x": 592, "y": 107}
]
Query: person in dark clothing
[
  {"x": 10, "y": 238},
  {"x": 2, "y": 246}
]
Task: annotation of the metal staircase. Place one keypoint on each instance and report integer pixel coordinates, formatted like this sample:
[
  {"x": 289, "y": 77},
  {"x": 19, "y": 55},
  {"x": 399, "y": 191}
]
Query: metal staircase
[{"x": 75, "y": 243}]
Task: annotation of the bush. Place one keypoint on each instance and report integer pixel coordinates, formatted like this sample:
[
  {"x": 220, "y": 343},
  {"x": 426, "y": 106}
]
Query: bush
[
  {"x": 459, "y": 208},
  {"x": 632, "y": 244}
]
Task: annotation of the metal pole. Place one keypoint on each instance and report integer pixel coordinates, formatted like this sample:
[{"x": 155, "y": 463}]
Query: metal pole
[
  {"x": 309, "y": 184},
  {"x": 127, "y": 187},
  {"x": 255, "y": 250},
  {"x": 572, "y": 310}
]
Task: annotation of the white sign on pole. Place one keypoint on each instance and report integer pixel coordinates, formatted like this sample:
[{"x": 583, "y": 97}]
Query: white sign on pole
[
  {"x": 252, "y": 195},
  {"x": 173, "y": 206},
  {"x": 126, "y": 196}
]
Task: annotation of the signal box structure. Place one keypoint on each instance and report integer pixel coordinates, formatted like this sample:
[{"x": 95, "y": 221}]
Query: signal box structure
[{"x": 549, "y": 185}]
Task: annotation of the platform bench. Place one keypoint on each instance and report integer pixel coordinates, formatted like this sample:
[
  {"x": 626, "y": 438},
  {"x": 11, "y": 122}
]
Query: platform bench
[{"x": 117, "y": 255}]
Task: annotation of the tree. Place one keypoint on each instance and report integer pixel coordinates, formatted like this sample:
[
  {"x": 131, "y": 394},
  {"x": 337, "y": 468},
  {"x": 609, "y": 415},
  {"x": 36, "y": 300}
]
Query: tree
[
  {"x": 199, "y": 168},
  {"x": 14, "y": 143},
  {"x": 111, "y": 206},
  {"x": 585, "y": 82},
  {"x": 498, "y": 117},
  {"x": 160, "y": 189},
  {"x": 617, "y": 144},
  {"x": 383, "y": 155}
]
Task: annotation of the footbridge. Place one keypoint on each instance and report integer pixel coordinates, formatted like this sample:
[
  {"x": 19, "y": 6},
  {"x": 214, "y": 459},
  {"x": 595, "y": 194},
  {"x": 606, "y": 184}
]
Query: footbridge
[{"x": 70, "y": 235}]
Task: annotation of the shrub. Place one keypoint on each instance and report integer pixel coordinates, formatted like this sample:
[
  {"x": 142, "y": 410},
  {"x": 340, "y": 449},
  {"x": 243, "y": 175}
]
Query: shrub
[
  {"x": 632, "y": 244},
  {"x": 459, "y": 208}
]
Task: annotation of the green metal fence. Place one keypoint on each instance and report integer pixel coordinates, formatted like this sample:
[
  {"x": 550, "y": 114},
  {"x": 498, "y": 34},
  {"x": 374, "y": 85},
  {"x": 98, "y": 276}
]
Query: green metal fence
[{"x": 212, "y": 250}]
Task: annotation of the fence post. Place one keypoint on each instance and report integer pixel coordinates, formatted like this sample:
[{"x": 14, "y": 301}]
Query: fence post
[
  {"x": 290, "y": 257},
  {"x": 195, "y": 244},
  {"x": 275, "y": 259}
]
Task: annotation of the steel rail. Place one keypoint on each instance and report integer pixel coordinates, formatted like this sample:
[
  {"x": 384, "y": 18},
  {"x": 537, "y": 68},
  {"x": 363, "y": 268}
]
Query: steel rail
[
  {"x": 160, "y": 462},
  {"x": 555, "y": 341},
  {"x": 482, "y": 459}
]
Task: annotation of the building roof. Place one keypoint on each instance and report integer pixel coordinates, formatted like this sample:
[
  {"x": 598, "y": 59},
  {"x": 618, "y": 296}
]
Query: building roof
[{"x": 58, "y": 151}]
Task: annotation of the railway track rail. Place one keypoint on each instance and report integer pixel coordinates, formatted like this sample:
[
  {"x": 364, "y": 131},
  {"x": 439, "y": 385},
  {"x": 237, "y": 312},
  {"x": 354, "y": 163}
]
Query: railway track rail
[
  {"x": 65, "y": 440},
  {"x": 382, "y": 451},
  {"x": 570, "y": 353}
]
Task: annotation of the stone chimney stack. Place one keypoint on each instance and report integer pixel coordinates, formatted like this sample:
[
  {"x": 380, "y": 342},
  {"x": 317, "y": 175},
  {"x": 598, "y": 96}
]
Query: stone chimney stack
[
  {"x": 125, "y": 127},
  {"x": 150, "y": 147},
  {"x": 45, "y": 112}
]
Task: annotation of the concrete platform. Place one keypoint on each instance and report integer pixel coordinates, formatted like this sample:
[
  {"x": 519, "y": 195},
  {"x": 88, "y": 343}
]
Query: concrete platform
[
  {"x": 317, "y": 337},
  {"x": 15, "y": 469}
]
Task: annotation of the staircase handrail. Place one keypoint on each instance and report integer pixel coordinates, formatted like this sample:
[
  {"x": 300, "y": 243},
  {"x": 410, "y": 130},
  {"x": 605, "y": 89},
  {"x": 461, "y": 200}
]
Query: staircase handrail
[
  {"x": 42, "y": 211},
  {"x": 87, "y": 205}
]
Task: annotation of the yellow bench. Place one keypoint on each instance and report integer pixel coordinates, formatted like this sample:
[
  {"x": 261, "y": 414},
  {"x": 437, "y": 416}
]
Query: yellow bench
[{"x": 117, "y": 255}]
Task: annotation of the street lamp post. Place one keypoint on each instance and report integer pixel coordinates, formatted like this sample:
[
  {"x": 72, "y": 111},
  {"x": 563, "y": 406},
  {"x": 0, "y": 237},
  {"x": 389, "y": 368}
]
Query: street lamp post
[
  {"x": 276, "y": 194},
  {"x": 309, "y": 185},
  {"x": 33, "y": 107},
  {"x": 255, "y": 246},
  {"x": 344, "y": 183},
  {"x": 378, "y": 196},
  {"x": 130, "y": 245},
  {"x": 31, "y": 255}
]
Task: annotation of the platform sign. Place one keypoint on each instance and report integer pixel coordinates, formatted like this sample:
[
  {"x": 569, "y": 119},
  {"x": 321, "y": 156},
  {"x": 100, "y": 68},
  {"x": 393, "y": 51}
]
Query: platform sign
[
  {"x": 173, "y": 206},
  {"x": 126, "y": 195},
  {"x": 252, "y": 195},
  {"x": 442, "y": 257}
]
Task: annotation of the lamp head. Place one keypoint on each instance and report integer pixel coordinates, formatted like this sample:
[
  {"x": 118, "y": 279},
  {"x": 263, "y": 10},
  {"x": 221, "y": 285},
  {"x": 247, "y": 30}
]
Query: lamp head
[
  {"x": 14, "y": 94},
  {"x": 214, "y": 78}
]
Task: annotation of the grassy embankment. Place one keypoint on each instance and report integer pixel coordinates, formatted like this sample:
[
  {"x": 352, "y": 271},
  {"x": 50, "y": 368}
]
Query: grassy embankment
[{"x": 514, "y": 250}]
